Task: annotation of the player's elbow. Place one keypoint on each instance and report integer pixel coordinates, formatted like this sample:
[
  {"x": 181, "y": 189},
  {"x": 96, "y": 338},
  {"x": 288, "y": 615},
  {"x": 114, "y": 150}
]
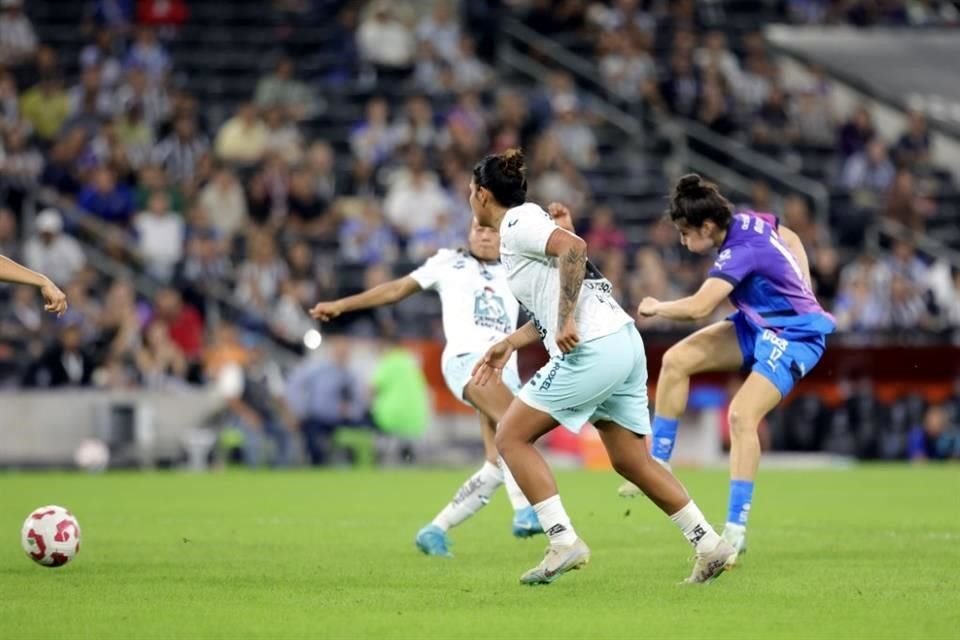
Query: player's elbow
[{"x": 701, "y": 310}]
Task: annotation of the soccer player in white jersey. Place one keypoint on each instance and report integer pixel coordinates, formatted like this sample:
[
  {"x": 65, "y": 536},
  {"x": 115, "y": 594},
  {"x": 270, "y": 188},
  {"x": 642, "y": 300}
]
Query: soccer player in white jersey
[
  {"x": 597, "y": 372},
  {"x": 478, "y": 310},
  {"x": 54, "y": 300}
]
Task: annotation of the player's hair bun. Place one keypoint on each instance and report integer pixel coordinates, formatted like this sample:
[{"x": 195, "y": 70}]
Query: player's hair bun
[
  {"x": 691, "y": 186},
  {"x": 512, "y": 163},
  {"x": 694, "y": 200}
]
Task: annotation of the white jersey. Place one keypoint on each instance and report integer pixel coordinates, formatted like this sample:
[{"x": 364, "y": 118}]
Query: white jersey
[
  {"x": 478, "y": 308},
  {"x": 535, "y": 279}
]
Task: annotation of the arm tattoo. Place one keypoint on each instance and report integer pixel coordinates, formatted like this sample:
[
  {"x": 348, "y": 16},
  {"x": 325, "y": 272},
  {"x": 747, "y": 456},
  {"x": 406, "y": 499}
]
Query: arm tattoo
[{"x": 572, "y": 264}]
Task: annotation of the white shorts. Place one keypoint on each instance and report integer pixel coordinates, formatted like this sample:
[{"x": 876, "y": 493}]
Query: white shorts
[{"x": 458, "y": 370}]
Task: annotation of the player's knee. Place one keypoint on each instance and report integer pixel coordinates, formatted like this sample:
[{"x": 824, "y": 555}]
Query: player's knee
[
  {"x": 676, "y": 361},
  {"x": 504, "y": 440},
  {"x": 742, "y": 423}
]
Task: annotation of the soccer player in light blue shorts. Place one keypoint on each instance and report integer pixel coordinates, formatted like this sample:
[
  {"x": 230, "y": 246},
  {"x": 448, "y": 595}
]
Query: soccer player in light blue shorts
[{"x": 597, "y": 370}]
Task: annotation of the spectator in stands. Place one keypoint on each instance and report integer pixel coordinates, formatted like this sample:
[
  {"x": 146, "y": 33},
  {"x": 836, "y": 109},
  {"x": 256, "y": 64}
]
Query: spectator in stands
[
  {"x": 224, "y": 197},
  {"x": 260, "y": 275},
  {"x": 22, "y": 323},
  {"x": 868, "y": 173},
  {"x": 46, "y": 107},
  {"x": 905, "y": 205},
  {"x": 415, "y": 200},
  {"x": 282, "y": 89},
  {"x": 160, "y": 235},
  {"x": 680, "y": 87},
  {"x": 203, "y": 266},
  {"x": 426, "y": 241},
  {"x": 441, "y": 30},
  {"x": 366, "y": 238},
  {"x": 253, "y": 388},
  {"x": 575, "y": 136},
  {"x": 626, "y": 63},
  {"x": 715, "y": 53},
  {"x": 119, "y": 323},
  {"x": 908, "y": 306},
  {"x": 324, "y": 394},
  {"x": 183, "y": 321},
  {"x": 904, "y": 261},
  {"x": 323, "y": 173},
  {"x": 825, "y": 273},
  {"x": 714, "y": 111},
  {"x": 936, "y": 438},
  {"x": 114, "y": 14},
  {"x": 283, "y": 139},
  {"x": 304, "y": 277},
  {"x": 9, "y": 235},
  {"x": 162, "y": 13},
  {"x": 860, "y": 307},
  {"x": 373, "y": 140},
  {"x": 64, "y": 364},
  {"x": 242, "y": 139},
  {"x": 135, "y": 135},
  {"x": 105, "y": 199},
  {"x": 856, "y": 132},
  {"x": 772, "y": 129},
  {"x": 307, "y": 213},
  {"x": 90, "y": 89},
  {"x": 18, "y": 42},
  {"x": 152, "y": 99},
  {"x": 61, "y": 175},
  {"x": 9, "y": 100},
  {"x": 554, "y": 178},
  {"x": 180, "y": 153},
  {"x": 913, "y": 147},
  {"x": 471, "y": 73},
  {"x": 604, "y": 235},
  {"x": 20, "y": 168},
  {"x": 149, "y": 54},
  {"x": 53, "y": 252},
  {"x": 160, "y": 362},
  {"x": 101, "y": 53},
  {"x": 416, "y": 126},
  {"x": 812, "y": 116},
  {"x": 386, "y": 40}
]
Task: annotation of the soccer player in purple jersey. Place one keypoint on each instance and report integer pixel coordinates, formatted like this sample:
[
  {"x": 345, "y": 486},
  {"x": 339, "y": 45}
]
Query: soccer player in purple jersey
[
  {"x": 54, "y": 300},
  {"x": 778, "y": 331}
]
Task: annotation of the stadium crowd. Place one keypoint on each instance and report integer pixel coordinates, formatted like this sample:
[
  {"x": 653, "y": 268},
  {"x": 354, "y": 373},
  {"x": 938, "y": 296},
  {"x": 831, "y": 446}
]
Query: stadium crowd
[{"x": 122, "y": 158}]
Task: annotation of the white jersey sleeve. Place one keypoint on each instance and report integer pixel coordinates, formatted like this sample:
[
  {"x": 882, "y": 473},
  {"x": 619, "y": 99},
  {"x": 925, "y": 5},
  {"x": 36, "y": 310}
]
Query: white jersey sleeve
[
  {"x": 529, "y": 233},
  {"x": 432, "y": 273}
]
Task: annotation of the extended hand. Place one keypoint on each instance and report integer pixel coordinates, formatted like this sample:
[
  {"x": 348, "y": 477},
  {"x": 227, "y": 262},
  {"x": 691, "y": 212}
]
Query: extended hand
[
  {"x": 326, "y": 311},
  {"x": 492, "y": 363},
  {"x": 648, "y": 307},
  {"x": 561, "y": 215},
  {"x": 55, "y": 301}
]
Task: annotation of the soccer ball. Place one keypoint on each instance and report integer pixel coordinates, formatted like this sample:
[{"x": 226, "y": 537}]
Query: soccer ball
[{"x": 51, "y": 536}]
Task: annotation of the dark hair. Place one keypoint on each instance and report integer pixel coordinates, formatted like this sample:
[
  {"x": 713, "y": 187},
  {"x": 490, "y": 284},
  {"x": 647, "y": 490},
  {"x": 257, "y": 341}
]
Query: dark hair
[
  {"x": 503, "y": 175},
  {"x": 694, "y": 201}
]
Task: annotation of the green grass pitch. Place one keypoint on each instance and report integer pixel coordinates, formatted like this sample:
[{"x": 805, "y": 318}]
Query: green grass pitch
[{"x": 867, "y": 553}]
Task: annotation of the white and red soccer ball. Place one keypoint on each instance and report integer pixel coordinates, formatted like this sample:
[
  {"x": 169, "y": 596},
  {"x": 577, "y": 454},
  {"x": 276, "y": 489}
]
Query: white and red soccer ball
[{"x": 51, "y": 536}]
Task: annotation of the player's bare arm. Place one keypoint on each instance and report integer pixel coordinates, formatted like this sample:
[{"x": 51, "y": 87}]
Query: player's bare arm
[
  {"x": 497, "y": 356},
  {"x": 378, "y": 296},
  {"x": 55, "y": 301},
  {"x": 571, "y": 253},
  {"x": 695, "y": 307},
  {"x": 795, "y": 245}
]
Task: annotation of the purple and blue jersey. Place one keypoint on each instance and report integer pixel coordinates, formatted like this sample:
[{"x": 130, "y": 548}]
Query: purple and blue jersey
[
  {"x": 768, "y": 285},
  {"x": 780, "y": 326}
]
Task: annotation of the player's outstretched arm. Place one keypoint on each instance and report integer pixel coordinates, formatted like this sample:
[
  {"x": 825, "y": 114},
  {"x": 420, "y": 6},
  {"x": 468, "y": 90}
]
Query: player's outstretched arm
[
  {"x": 695, "y": 307},
  {"x": 383, "y": 294},
  {"x": 571, "y": 253},
  {"x": 795, "y": 245},
  {"x": 55, "y": 301}
]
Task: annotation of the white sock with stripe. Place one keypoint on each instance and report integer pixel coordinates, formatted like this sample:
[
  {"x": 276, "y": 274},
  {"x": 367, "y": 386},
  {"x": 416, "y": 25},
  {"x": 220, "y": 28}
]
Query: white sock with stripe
[{"x": 472, "y": 496}]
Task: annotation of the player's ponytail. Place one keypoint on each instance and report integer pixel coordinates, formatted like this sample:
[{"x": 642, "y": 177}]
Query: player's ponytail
[
  {"x": 504, "y": 174},
  {"x": 694, "y": 201}
]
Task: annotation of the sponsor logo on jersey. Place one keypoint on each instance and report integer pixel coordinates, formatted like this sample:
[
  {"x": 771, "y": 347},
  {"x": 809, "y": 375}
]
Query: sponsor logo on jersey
[{"x": 490, "y": 312}]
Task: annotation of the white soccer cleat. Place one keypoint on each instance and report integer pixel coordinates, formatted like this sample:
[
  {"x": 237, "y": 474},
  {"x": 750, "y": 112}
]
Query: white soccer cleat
[
  {"x": 557, "y": 561},
  {"x": 630, "y": 490},
  {"x": 737, "y": 537},
  {"x": 711, "y": 564}
]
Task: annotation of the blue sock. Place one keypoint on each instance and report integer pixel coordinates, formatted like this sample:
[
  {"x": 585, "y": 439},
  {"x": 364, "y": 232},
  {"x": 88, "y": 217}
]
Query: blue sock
[
  {"x": 664, "y": 437},
  {"x": 741, "y": 495}
]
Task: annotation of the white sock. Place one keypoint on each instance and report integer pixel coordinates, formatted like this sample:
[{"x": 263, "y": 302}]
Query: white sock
[
  {"x": 735, "y": 530},
  {"x": 696, "y": 528},
  {"x": 472, "y": 496},
  {"x": 514, "y": 492},
  {"x": 555, "y": 521}
]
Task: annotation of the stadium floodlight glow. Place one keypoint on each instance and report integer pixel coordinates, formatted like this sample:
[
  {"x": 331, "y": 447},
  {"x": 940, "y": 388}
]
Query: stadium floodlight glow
[{"x": 312, "y": 339}]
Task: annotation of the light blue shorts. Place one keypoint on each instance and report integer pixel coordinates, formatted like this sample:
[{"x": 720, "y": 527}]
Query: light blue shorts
[
  {"x": 603, "y": 379},
  {"x": 458, "y": 370}
]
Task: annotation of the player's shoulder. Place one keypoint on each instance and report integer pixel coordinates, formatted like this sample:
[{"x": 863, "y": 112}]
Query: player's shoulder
[
  {"x": 445, "y": 257},
  {"x": 523, "y": 215}
]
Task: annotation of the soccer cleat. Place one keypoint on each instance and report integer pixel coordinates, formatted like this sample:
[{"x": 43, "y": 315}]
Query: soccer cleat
[
  {"x": 737, "y": 537},
  {"x": 557, "y": 561},
  {"x": 630, "y": 490},
  {"x": 711, "y": 564},
  {"x": 525, "y": 523},
  {"x": 433, "y": 541}
]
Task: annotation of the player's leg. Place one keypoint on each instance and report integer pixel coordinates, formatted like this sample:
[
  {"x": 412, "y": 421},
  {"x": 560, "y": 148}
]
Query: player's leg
[
  {"x": 631, "y": 459},
  {"x": 520, "y": 427},
  {"x": 713, "y": 348},
  {"x": 492, "y": 401}
]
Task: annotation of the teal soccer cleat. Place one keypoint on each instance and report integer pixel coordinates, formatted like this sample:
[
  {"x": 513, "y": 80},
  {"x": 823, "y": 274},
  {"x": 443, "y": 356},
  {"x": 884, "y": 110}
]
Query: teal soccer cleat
[
  {"x": 525, "y": 523},
  {"x": 433, "y": 541}
]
